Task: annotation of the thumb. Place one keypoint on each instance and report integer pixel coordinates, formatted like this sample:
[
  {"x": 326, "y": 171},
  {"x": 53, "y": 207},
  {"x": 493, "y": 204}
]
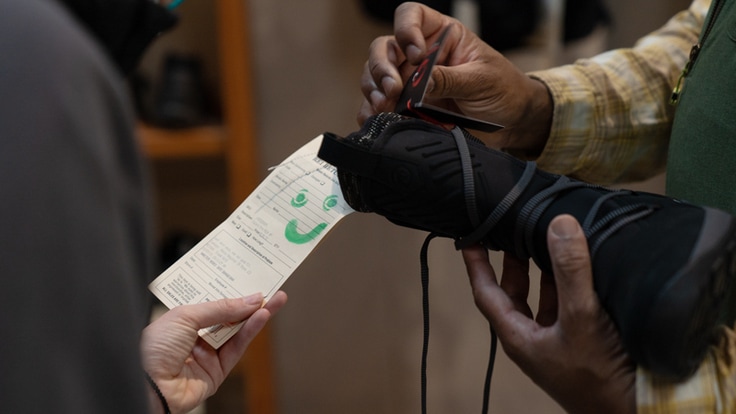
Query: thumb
[
  {"x": 461, "y": 81},
  {"x": 229, "y": 310},
  {"x": 571, "y": 265}
]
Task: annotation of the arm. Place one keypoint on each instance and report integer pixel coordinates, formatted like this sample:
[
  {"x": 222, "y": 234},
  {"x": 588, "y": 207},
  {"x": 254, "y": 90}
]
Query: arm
[
  {"x": 612, "y": 118},
  {"x": 575, "y": 116}
]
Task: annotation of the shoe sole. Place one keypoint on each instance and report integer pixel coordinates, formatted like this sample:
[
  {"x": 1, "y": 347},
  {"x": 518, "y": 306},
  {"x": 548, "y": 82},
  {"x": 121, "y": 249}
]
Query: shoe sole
[{"x": 683, "y": 318}]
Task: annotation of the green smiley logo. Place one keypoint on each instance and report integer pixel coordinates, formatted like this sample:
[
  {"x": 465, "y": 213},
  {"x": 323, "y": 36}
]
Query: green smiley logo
[
  {"x": 293, "y": 235},
  {"x": 291, "y": 231}
]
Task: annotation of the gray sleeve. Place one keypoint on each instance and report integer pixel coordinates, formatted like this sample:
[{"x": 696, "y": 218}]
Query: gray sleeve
[{"x": 74, "y": 253}]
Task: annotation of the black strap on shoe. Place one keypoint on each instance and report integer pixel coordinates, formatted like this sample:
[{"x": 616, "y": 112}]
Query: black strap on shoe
[
  {"x": 533, "y": 210},
  {"x": 596, "y": 230},
  {"x": 468, "y": 182},
  {"x": 509, "y": 199},
  {"x": 333, "y": 149}
]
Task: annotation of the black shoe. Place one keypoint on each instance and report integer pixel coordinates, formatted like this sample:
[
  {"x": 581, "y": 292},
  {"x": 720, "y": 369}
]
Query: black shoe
[
  {"x": 662, "y": 266},
  {"x": 180, "y": 103}
]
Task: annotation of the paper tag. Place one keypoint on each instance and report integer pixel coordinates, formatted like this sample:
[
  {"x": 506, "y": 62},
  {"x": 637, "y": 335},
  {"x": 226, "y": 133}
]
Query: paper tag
[
  {"x": 262, "y": 242},
  {"x": 411, "y": 103}
]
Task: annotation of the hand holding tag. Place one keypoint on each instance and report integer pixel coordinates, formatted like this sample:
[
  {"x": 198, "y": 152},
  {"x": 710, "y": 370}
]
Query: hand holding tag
[{"x": 411, "y": 103}]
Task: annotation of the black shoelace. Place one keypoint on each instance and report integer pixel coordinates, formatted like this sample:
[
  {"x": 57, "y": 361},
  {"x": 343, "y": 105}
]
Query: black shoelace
[{"x": 425, "y": 343}]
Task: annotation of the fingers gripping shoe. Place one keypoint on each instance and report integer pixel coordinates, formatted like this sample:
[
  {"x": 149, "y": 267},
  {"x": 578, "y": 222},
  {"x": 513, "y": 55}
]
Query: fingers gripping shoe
[{"x": 662, "y": 267}]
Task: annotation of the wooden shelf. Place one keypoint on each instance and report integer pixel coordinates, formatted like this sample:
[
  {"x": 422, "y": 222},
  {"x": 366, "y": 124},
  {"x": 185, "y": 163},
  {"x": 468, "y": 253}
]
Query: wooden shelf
[
  {"x": 162, "y": 143},
  {"x": 235, "y": 143}
]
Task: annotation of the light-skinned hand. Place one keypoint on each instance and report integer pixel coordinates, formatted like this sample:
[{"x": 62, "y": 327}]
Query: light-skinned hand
[{"x": 187, "y": 369}]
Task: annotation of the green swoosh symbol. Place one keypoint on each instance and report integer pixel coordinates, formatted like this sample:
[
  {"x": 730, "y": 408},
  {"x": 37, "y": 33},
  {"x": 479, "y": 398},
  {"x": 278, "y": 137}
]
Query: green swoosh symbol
[{"x": 293, "y": 235}]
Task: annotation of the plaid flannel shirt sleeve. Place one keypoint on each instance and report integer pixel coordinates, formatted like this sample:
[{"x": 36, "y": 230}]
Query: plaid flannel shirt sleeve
[
  {"x": 712, "y": 389},
  {"x": 612, "y": 118}
]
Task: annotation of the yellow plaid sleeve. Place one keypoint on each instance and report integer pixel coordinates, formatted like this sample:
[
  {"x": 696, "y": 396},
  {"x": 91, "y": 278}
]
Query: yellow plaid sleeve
[
  {"x": 611, "y": 120},
  {"x": 712, "y": 389}
]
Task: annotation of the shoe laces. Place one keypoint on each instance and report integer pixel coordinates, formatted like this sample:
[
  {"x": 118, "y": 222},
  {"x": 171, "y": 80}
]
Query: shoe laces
[{"x": 596, "y": 229}]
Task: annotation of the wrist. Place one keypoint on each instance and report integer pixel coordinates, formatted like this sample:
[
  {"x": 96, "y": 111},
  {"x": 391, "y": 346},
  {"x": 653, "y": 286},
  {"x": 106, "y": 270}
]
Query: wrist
[
  {"x": 534, "y": 128},
  {"x": 539, "y": 117},
  {"x": 612, "y": 394}
]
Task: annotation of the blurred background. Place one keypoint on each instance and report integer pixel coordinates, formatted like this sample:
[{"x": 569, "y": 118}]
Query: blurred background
[{"x": 350, "y": 338}]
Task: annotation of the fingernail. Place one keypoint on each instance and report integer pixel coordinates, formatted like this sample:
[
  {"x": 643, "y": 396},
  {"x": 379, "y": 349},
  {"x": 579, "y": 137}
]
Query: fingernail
[
  {"x": 564, "y": 227},
  {"x": 413, "y": 53},
  {"x": 377, "y": 98},
  {"x": 387, "y": 83},
  {"x": 254, "y": 299}
]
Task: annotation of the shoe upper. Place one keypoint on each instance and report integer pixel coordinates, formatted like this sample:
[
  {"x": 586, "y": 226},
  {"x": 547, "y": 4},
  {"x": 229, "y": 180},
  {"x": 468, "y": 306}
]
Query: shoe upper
[{"x": 413, "y": 173}]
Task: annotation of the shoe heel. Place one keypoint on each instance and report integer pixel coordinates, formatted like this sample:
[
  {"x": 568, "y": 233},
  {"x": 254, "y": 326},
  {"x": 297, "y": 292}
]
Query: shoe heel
[{"x": 684, "y": 317}]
